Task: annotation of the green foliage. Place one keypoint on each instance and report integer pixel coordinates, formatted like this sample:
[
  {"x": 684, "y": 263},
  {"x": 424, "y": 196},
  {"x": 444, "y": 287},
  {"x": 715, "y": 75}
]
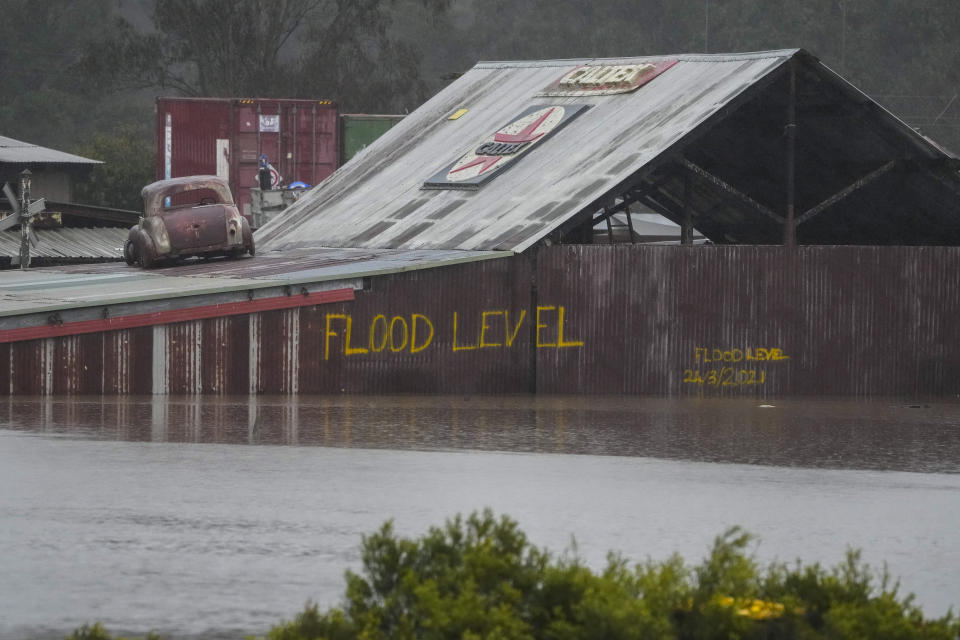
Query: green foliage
[
  {"x": 347, "y": 51},
  {"x": 97, "y": 632},
  {"x": 480, "y": 577},
  {"x": 72, "y": 67},
  {"x": 45, "y": 100},
  {"x": 128, "y": 159}
]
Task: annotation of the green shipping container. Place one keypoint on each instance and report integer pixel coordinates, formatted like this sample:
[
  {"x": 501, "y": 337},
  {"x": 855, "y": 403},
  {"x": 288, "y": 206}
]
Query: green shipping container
[{"x": 360, "y": 129}]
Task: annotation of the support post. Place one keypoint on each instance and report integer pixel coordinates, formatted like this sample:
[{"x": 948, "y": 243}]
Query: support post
[
  {"x": 789, "y": 225},
  {"x": 626, "y": 211},
  {"x": 608, "y": 213},
  {"x": 25, "y": 219},
  {"x": 686, "y": 229}
]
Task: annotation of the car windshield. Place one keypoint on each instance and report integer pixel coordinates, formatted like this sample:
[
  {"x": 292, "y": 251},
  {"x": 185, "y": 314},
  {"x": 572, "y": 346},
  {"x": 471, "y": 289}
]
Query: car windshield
[{"x": 192, "y": 198}]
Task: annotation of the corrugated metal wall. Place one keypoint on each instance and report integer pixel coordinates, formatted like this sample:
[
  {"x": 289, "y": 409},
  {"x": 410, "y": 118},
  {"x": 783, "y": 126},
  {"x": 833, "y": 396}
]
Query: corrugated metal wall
[
  {"x": 760, "y": 320},
  {"x": 625, "y": 319}
]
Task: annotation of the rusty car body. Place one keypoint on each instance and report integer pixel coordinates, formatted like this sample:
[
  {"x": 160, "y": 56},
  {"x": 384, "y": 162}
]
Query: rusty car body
[{"x": 189, "y": 216}]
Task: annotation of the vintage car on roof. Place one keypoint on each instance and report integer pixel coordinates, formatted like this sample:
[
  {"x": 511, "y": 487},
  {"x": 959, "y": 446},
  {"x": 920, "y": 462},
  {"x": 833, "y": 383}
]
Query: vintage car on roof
[{"x": 190, "y": 216}]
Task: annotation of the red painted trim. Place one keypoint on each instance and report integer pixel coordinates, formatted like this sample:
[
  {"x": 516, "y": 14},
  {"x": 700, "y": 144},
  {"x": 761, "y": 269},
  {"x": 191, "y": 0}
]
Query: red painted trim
[{"x": 176, "y": 315}]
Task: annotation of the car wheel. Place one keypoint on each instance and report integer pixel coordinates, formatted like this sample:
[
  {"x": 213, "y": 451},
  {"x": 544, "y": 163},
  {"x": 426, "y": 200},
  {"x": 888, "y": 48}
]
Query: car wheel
[
  {"x": 129, "y": 253},
  {"x": 146, "y": 254}
]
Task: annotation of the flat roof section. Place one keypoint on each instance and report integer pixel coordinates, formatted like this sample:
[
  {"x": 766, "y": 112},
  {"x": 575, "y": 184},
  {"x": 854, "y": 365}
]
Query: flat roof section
[{"x": 94, "y": 286}]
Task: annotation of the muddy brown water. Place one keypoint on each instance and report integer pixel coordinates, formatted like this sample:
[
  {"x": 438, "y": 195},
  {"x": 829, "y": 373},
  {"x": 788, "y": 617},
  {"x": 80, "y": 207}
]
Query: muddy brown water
[{"x": 201, "y": 516}]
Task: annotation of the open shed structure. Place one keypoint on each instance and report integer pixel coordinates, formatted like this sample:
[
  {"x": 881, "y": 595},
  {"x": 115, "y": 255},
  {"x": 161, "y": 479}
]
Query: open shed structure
[
  {"x": 763, "y": 148},
  {"x": 456, "y": 254}
]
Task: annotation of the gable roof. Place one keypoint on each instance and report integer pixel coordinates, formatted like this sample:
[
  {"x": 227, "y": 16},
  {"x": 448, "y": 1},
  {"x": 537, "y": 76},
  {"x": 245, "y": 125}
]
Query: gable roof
[
  {"x": 17, "y": 152},
  {"x": 708, "y": 131}
]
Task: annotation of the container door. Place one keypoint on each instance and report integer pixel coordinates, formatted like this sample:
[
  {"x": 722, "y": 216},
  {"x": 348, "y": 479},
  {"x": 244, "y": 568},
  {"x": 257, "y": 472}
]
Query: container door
[
  {"x": 257, "y": 132},
  {"x": 312, "y": 143}
]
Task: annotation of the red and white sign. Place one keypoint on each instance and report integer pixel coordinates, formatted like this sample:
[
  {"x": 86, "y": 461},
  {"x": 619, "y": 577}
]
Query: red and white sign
[
  {"x": 606, "y": 79},
  {"x": 504, "y": 147}
]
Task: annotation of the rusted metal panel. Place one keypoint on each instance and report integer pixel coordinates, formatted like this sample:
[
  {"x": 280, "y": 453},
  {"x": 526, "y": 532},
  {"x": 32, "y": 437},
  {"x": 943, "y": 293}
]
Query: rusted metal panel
[
  {"x": 127, "y": 366},
  {"x": 276, "y": 336},
  {"x": 5, "y": 367},
  {"x": 28, "y": 367},
  {"x": 78, "y": 364},
  {"x": 753, "y": 320},
  {"x": 423, "y": 332},
  {"x": 184, "y": 350},
  {"x": 225, "y": 353},
  {"x": 652, "y": 320}
]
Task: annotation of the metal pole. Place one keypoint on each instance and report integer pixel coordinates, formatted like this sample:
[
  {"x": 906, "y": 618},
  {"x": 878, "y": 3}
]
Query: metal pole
[
  {"x": 259, "y": 133},
  {"x": 313, "y": 155},
  {"x": 686, "y": 229},
  {"x": 281, "y": 165},
  {"x": 25, "y": 219},
  {"x": 789, "y": 231}
]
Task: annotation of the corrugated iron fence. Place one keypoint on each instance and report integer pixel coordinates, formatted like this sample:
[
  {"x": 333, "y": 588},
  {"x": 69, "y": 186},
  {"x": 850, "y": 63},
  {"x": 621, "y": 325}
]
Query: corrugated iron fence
[{"x": 624, "y": 319}]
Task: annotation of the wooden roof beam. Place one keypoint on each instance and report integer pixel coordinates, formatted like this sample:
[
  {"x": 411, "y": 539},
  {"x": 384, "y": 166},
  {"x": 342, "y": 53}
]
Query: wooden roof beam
[
  {"x": 730, "y": 190},
  {"x": 846, "y": 191}
]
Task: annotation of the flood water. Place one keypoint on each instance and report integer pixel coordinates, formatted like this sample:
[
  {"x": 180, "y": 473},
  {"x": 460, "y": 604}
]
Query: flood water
[{"x": 223, "y": 516}]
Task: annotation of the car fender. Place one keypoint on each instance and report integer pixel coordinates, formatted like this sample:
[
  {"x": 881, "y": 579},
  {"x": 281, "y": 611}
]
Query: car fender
[
  {"x": 154, "y": 227},
  {"x": 146, "y": 250}
]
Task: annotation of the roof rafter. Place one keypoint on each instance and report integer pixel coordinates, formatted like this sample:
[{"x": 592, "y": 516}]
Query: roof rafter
[{"x": 846, "y": 191}]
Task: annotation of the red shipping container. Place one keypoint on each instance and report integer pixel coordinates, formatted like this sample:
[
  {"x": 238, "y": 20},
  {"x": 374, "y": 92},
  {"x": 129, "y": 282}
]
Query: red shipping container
[{"x": 226, "y": 136}]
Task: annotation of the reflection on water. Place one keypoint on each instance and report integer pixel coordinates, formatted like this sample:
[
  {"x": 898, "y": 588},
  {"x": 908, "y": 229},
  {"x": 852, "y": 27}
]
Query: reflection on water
[
  {"x": 109, "y": 512},
  {"x": 797, "y": 432}
]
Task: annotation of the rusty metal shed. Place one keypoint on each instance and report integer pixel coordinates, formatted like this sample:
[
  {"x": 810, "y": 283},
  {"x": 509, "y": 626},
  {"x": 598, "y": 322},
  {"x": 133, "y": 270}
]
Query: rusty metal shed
[
  {"x": 410, "y": 270},
  {"x": 712, "y": 141}
]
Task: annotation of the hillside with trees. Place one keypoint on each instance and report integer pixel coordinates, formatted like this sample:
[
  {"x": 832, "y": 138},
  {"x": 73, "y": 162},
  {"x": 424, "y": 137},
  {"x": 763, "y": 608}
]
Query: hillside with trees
[{"x": 75, "y": 72}]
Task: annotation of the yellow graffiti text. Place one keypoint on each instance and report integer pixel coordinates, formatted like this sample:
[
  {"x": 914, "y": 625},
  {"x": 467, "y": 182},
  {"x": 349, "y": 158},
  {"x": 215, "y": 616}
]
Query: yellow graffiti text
[
  {"x": 543, "y": 313},
  {"x": 725, "y": 377},
  {"x": 488, "y": 329},
  {"x": 750, "y": 354}
]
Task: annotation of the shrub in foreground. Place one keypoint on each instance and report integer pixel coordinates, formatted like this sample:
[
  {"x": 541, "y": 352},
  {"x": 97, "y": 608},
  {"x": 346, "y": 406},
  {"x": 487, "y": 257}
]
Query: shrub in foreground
[{"x": 479, "y": 578}]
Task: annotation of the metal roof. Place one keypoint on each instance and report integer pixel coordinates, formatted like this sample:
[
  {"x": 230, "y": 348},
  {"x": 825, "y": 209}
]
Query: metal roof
[
  {"x": 76, "y": 287},
  {"x": 68, "y": 243},
  {"x": 17, "y": 152},
  {"x": 712, "y": 124}
]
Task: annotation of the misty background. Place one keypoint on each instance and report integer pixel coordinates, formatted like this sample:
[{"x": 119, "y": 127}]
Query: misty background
[{"x": 81, "y": 75}]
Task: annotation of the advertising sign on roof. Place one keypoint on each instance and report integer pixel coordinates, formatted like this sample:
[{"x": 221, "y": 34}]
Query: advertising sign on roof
[
  {"x": 600, "y": 80},
  {"x": 503, "y": 148}
]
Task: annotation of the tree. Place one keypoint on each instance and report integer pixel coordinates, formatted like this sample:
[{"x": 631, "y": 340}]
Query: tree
[
  {"x": 44, "y": 101},
  {"x": 128, "y": 165},
  {"x": 343, "y": 49}
]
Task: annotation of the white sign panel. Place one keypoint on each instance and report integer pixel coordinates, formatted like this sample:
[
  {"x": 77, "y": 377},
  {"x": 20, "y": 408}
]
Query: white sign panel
[{"x": 269, "y": 124}]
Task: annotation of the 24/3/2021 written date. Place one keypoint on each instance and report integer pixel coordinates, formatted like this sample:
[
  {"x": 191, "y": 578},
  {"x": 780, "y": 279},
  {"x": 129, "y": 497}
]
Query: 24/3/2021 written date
[{"x": 725, "y": 377}]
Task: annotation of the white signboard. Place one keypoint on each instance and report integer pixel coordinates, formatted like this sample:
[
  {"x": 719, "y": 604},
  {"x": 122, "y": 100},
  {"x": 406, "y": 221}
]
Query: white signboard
[{"x": 269, "y": 124}]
